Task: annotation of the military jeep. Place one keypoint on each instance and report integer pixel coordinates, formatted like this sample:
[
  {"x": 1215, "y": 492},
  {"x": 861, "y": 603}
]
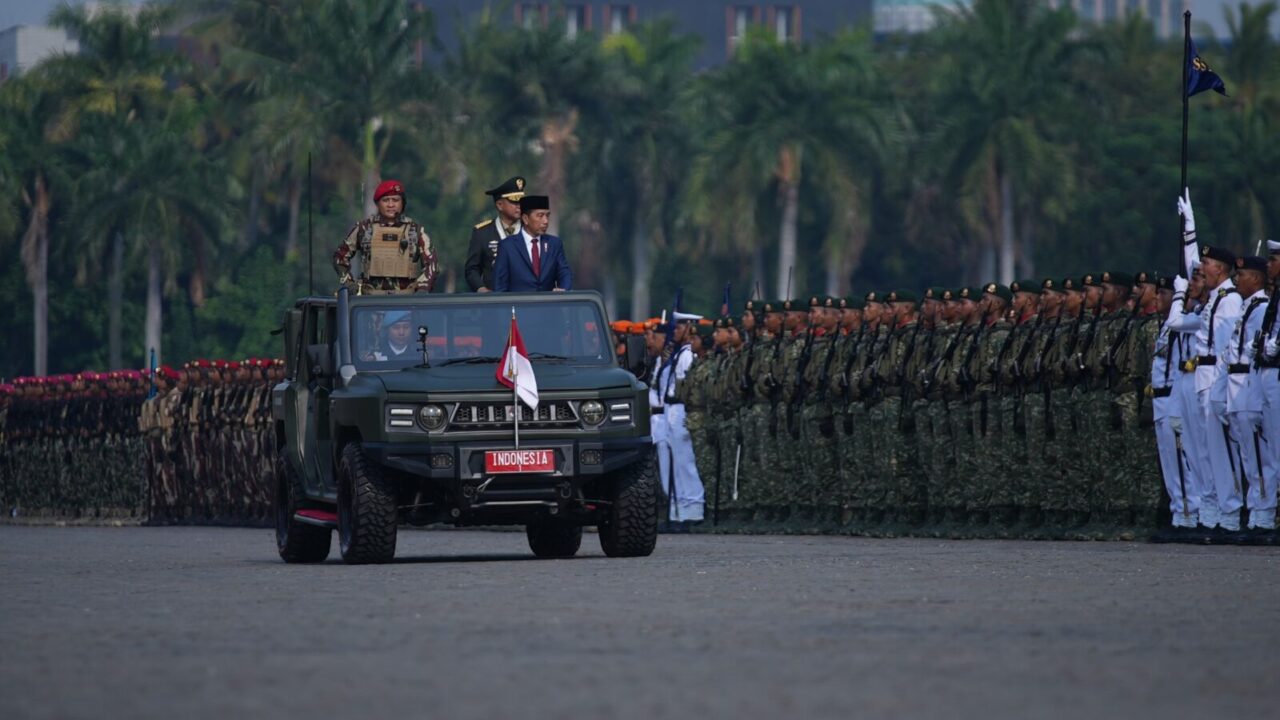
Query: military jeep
[{"x": 392, "y": 413}]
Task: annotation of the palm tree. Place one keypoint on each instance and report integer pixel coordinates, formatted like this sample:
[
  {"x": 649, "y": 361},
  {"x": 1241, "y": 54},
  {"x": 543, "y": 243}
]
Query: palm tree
[
  {"x": 776, "y": 112},
  {"x": 642, "y": 144},
  {"x": 32, "y": 166},
  {"x": 1251, "y": 70},
  {"x": 161, "y": 205},
  {"x": 1005, "y": 74},
  {"x": 117, "y": 79},
  {"x": 538, "y": 87}
]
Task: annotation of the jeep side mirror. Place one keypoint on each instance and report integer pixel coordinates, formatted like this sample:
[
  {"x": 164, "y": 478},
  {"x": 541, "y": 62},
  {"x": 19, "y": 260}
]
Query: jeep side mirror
[
  {"x": 320, "y": 360},
  {"x": 634, "y": 357}
]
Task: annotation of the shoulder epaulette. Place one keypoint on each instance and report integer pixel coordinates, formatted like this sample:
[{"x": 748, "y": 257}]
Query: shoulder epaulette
[{"x": 486, "y": 223}]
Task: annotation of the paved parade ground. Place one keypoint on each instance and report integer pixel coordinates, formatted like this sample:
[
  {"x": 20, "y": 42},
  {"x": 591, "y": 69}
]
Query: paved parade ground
[{"x": 208, "y": 623}]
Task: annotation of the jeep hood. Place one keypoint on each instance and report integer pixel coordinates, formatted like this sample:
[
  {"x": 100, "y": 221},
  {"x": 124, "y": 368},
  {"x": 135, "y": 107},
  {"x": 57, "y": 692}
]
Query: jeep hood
[{"x": 552, "y": 377}]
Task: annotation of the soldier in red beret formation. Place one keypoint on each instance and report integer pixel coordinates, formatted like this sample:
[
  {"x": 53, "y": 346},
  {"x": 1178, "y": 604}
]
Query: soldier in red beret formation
[{"x": 396, "y": 254}]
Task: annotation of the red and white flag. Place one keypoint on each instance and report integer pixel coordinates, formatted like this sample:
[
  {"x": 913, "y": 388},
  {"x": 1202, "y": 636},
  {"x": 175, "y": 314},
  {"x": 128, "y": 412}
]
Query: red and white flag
[{"x": 515, "y": 371}]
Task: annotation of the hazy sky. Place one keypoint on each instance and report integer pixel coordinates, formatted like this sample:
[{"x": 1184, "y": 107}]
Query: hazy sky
[
  {"x": 25, "y": 12},
  {"x": 34, "y": 12}
]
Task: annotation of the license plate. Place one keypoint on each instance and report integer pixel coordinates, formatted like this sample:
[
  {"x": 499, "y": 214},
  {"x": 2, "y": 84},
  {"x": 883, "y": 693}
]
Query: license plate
[{"x": 497, "y": 462}]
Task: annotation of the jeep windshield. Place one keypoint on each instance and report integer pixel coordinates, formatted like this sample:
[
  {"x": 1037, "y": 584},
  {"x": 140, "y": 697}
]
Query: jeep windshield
[{"x": 567, "y": 331}]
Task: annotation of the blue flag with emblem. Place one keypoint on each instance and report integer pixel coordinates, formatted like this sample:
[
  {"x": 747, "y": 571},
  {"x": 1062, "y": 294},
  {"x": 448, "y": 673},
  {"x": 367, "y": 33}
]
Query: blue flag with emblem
[{"x": 1200, "y": 76}]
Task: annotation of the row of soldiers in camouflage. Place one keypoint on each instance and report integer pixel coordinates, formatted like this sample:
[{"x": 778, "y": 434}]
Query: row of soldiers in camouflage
[
  {"x": 69, "y": 444},
  {"x": 210, "y": 447},
  {"x": 989, "y": 410},
  {"x": 192, "y": 445}
]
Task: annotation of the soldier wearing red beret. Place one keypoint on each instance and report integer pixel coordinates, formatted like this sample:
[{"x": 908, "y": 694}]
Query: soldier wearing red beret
[{"x": 396, "y": 254}]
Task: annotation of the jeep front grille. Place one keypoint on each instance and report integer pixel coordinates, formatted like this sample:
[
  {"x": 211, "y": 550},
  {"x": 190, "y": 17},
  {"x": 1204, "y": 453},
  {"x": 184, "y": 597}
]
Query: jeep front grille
[{"x": 484, "y": 416}]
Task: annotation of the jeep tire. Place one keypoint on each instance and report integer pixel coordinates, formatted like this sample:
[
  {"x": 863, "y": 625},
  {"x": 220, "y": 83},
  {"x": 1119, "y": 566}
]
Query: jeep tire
[
  {"x": 629, "y": 525},
  {"x": 297, "y": 542},
  {"x": 553, "y": 539},
  {"x": 367, "y": 514}
]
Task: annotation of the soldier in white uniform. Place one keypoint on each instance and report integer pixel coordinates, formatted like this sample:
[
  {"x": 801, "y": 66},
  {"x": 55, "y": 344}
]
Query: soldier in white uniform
[
  {"x": 1221, "y": 312},
  {"x": 687, "y": 504},
  {"x": 1167, "y": 359},
  {"x": 657, "y": 410},
  {"x": 1266, "y": 373},
  {"x": 1244, "y": 396},
  {"x": 1220, "y": 496}
]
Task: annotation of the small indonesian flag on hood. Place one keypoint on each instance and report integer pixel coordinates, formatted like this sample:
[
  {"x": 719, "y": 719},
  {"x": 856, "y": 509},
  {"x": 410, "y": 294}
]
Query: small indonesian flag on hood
[{"x": 515, "y": 370}]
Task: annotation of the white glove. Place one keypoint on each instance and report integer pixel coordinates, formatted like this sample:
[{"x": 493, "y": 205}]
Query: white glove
[
  {"x": 1180, "y": 284},
  {"x": 1188, "y": 216},
  {"x": 1175, "y": 424},
  {"x": 1271, "y": 347}
]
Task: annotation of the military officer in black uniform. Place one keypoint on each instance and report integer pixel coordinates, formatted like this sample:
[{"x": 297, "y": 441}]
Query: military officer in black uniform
[{"x": 486, "y": 235}]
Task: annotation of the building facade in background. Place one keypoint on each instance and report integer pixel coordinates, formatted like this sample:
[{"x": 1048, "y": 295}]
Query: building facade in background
[
  {"x": 22, "y": 47},
  {"x": 720, "y": 24}
]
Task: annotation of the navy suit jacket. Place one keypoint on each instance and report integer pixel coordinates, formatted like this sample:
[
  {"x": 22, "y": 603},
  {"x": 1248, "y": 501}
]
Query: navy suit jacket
[{"x": 513, "y": 270}]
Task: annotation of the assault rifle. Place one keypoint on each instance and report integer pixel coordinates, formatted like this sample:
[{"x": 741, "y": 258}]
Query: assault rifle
[
  {"x": 801, "y": 386},
  {"x": 1109, "y": 360},
  {"x": 930, "y": 374},
  {"x": 1268, "y": 322},
  {"x": 966, "y": 379},
  {"x": 1026, "y": 348}
]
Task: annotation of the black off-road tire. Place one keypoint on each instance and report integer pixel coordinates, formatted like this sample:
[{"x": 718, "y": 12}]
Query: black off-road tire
[
  {"x": 629, "y": 527},
  {"x": 367, "y": 516},
  {"x": 551, "y": 539},
  {"x": 297, "y": 542}
]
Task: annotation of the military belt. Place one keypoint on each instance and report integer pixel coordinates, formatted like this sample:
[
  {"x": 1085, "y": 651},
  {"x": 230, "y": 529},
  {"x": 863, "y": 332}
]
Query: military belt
[
  {"x": 1161, "y": 392},
  {"x": 1207, "y": 360},
  {"x": 1266, "y": 364},
  {"x": 1188, "y": 366},
  {"x": 1238, "y": 368},
  {"x": 657, "y": 410}
]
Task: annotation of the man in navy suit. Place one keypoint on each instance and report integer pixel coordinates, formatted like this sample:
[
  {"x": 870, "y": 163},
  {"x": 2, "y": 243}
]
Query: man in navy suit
[{"x": 531, "y": 261}]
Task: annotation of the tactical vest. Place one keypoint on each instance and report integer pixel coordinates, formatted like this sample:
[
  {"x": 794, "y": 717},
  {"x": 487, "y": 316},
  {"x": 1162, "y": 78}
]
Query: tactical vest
[{"x": 389, "y": 253}]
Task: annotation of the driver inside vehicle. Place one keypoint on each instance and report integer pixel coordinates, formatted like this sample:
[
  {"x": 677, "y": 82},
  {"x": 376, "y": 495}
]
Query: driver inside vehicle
[{"x": 396, "y": 341}]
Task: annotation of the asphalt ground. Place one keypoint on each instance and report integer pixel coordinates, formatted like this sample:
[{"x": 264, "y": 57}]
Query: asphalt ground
[{"x": 209, "y": 623}]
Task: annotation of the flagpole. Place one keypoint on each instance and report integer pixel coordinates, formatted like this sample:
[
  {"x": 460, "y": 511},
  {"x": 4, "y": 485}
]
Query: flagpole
[
  {"x": 1186, "y": 79},
  {"x": 515, "y": 371}
]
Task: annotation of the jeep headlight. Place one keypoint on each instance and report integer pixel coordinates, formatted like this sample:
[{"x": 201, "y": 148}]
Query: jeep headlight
[
  {"x": 592, "y": 412},
  {"x": 431, "y": 417}
]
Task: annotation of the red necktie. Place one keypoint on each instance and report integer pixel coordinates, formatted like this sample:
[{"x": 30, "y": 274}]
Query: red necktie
[{"x": 537, "y": 258}]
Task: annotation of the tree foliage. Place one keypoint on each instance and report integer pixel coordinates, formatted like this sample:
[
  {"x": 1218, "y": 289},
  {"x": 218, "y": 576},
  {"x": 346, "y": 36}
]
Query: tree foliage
[{"x": 164, "y": 168}]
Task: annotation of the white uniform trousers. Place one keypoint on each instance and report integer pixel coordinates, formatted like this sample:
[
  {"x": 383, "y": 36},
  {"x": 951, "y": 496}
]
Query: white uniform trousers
[
  {"x": 1268, "y": 381},
  {"x": 662, "y": 446},
  {"x": 1186, "y": 510},
  {"x": 1193, "y": 448},
  {"x": 690, "y": 498},
  {"x": 1220, "y": 462},
  {"x": 1260, "y": 497}
]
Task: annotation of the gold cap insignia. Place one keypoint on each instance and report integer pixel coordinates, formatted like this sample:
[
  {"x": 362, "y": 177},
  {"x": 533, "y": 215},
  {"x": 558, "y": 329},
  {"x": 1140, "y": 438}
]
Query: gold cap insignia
[{"x": 520, "y": 183}]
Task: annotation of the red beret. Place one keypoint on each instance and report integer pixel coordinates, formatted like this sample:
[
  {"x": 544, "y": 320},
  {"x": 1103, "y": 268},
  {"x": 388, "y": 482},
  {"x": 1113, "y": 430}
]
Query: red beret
[{"x": 388, "y": 187}]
